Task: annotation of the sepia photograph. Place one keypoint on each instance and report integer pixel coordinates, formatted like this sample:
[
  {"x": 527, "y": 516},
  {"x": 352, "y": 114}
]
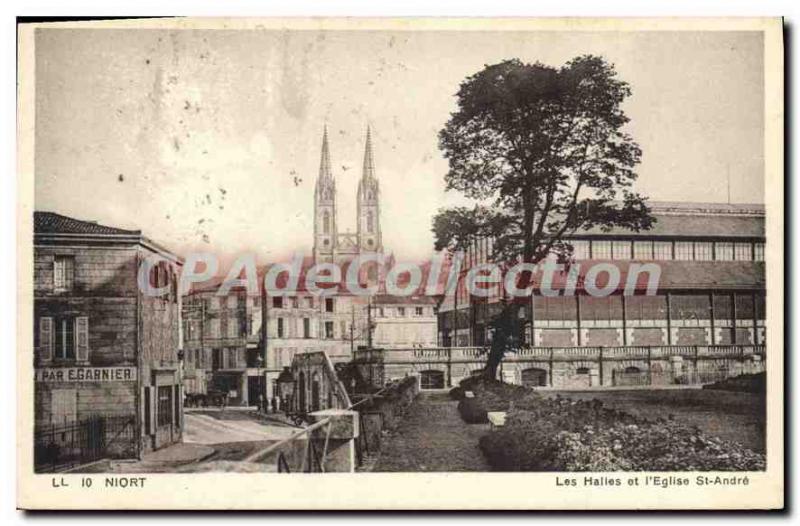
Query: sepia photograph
[{"x": 261, "y": 255}]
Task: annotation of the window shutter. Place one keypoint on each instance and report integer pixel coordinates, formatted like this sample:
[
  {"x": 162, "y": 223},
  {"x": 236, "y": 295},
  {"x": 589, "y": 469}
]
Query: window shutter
[
  {"x": 46, "y": 338},
  {"x": 82, "y": 339}
]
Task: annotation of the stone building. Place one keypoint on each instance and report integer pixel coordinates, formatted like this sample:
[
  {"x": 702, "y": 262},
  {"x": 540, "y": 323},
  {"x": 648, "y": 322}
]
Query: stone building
[
  {"x": 102, "y": 347},
  {"x": 341, "y": 322},
  {"x": 710, "y": 301},
  {"x": 223, "y": 346},
  {"x": 404, "y": 321}
]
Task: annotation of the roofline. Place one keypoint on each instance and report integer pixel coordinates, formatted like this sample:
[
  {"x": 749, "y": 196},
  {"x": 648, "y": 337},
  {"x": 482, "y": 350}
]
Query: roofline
[
  {"x": 137, "y": 239},
  {"x": 699, "y": 208}
]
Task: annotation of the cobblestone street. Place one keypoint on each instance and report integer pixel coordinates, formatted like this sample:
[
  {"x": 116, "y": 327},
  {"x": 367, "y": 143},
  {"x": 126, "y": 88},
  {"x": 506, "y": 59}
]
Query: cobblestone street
[{"x": 433, "y": 437}]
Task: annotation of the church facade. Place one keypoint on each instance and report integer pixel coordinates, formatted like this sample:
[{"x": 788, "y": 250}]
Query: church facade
[{"x": 330, "y": 245}]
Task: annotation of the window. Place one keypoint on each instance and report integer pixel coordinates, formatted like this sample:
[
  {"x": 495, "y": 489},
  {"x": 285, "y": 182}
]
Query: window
[
  {"x": 758, "y": 251},
  {"x": 381, "y": 312},
  {"x": 280, "y": 327},
  {"x": 64, "y": 405},
  {"x": 431, "y": 380},
  {"x": 690, "y": 308},
  {"x": 328, "y": 304},
  {"x": 683, "y": 250},
  {"x": 164, "y": 415},
  {"x": 724, "y": 251},
  {"x": 621, "y": 249},
  {"x": 309, "y": 302},
  {"x": 210, "y": 303},
  {"x": 418, "y": 311},
  {"x": 743, "y": 251},
  {"x": 329, "y": 329},
  {"x": 65, "y": 338},
  {"x": 370, "y": 222},
  {"x": 702, "y": 251},
  {"x": 216, "y": 359},
  {"x": 294, "y": 302},
  {"x": 580, "y": 249},
  {"x": 326, "y": 222},
  {"x": 234, "y": 327},
  {"x": 582, "y": 370},
  {"x": 643, "y": 250},
  {"x": 214, "y": 327},
  {"x": 744, "y": 307},
  {"x": 277, "y": 302},
  {"x": 601, "y": 249},
  {"x": 63, "y": 272},
  {"x": 306, "y": 328},
  {"x": 662, "y": 250},
  {"x": 401, "y": 312}
]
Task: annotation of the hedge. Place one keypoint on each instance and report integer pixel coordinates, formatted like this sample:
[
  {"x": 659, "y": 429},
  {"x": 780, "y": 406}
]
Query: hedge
[
  {"x": 744, "y": 383},
  {"x": 490, "y": 395},
  {"x": 546, "y": 434}
]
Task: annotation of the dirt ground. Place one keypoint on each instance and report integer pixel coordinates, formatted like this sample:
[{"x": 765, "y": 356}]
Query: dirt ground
[
  {"x": 738, "y": 417},
  {"x": 433, "y": 437}
]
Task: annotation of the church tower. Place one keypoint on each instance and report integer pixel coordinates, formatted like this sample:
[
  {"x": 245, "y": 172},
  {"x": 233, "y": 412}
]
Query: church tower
[
  {"x": 368, "y": 199},
  {"x": 325, "y": 233}
]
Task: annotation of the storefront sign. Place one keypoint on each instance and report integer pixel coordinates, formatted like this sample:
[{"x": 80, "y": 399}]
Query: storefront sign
[{"x": 86, "y": 374}]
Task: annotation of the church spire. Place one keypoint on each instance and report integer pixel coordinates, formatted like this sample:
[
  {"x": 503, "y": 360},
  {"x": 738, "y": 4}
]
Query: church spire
[
  {"x": 369, "y": 163},
  {"x": 325, "y": 158}
]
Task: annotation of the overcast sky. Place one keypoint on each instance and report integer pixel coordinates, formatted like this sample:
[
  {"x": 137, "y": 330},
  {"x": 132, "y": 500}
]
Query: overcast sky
[{"x": 196, "y": 137}]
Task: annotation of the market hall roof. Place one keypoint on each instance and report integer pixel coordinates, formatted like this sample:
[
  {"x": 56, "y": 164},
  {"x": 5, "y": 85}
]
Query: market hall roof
[{"x": 696, "y": 220}]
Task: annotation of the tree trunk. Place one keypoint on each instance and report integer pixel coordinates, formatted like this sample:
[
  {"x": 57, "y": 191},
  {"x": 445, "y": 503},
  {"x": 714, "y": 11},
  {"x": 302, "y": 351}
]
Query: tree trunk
[{"x": 507, "y": 336}]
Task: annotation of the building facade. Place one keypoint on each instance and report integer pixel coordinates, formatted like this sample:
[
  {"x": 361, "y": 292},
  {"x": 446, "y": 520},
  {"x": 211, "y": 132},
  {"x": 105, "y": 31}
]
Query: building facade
[
  {"x": 338, "y": 323},
  {"x": 223, "y": 345},
  {"x": 102, "y": 347},
  {"x": 404, "y": 321},
  {"x": 331, "y": 245},
  {"x": 710, "y": 296}
]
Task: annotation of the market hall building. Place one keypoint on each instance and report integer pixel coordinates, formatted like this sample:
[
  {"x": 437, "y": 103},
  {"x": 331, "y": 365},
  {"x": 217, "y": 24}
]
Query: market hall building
[
  {"x": 105, "y": 353},
  {"x": 705, "y": 322}
]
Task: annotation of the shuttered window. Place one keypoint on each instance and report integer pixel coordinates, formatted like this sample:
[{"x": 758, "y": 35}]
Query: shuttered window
[
  {"x": 46, "y": 338},
  {"x": 82, "y": 339},
  {"x": 64, "y": 338}
]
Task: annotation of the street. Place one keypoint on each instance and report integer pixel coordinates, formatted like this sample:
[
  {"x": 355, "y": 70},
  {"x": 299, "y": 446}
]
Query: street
[
  {"x": 213, "y": 441},
  {"x": 211, "y": 426}
]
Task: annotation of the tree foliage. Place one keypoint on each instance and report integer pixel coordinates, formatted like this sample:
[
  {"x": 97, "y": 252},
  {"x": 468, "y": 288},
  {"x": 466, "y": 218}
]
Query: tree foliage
[{"x": 543, "y": 153}]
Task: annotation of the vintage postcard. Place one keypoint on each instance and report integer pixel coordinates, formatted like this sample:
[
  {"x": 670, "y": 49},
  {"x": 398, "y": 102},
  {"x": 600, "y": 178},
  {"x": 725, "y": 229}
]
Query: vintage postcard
[{"x": 401, "y": 264}]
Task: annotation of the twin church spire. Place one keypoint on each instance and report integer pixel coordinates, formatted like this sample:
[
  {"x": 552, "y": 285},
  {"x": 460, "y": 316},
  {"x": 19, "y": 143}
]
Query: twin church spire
[{"x": 329, "y": 244}]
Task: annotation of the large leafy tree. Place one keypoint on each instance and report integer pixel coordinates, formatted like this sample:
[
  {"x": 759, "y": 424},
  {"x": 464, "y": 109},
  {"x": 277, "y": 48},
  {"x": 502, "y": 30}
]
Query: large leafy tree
[{"x": 543, "y": 153}]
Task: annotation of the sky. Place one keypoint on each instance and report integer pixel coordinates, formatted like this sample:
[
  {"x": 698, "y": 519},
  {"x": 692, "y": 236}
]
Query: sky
[{"x": 210, "y": 139}]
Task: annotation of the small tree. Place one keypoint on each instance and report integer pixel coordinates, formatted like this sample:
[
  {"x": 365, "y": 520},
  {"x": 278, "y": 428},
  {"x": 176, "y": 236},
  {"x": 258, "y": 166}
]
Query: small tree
[{"x": 543, "y": 153}]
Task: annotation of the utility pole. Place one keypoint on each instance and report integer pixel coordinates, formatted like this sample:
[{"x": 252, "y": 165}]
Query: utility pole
[
  {"x": 264, "y": 323},
  {"x": 352, "y": 328},
  {"x": 728, "y": 173},
  {"x": 369, "y": 322}
]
